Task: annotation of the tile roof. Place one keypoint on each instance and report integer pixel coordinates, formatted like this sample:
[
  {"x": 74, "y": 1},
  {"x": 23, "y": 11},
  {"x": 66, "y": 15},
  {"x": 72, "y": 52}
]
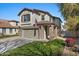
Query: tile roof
[
  {"x": 6, "y": 24},
  {"x": 34, "y": 11},
  {"x": 13, "y": 21}
]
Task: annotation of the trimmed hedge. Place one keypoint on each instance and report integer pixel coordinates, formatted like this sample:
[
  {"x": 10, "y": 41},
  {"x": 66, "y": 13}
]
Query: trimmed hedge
[{"x": 51, "y": 48}]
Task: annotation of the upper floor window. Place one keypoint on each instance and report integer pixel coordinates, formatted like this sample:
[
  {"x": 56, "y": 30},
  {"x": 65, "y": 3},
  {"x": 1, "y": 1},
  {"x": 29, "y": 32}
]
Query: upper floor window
[
  {"x": 16, "y": 24},
  {"x": 27, "y": 18},
  {"x": 50, "y": 18},
  {"x": 42, "y": 17}
]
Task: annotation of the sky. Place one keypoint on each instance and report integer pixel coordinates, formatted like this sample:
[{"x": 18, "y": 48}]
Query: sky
[{"x": 9, "y": 11}]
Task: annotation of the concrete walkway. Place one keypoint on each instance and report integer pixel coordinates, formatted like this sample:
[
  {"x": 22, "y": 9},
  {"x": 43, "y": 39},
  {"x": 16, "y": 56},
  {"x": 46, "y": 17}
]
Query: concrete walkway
[{"x": 9, "y": 38}]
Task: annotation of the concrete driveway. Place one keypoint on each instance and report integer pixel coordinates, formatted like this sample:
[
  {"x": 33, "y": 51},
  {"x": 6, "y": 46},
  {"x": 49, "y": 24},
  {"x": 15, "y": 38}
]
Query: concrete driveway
[
  {"x": 11, "y": 43},
  {"x": 9, "y": 38},
  {"x": 14, "y": 42}
]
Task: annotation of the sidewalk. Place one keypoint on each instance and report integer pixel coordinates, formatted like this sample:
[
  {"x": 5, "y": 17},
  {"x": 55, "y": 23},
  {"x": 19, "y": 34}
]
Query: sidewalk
[{"x": 9, "y": 38}]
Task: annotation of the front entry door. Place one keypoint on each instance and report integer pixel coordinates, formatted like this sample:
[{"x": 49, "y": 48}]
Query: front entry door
[{"x": 46, "y": 32}]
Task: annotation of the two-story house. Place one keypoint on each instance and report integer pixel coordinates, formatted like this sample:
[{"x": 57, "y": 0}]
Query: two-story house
[{"x": 38, "y": 24}]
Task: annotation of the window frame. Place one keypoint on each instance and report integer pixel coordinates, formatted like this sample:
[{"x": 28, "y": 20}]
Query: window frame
[
  {"x": 11, "y": 30},
  {"x": 24, "y": 16},
  {"x": 3, "y": 30},
  {"x": 43, "y": 17}
]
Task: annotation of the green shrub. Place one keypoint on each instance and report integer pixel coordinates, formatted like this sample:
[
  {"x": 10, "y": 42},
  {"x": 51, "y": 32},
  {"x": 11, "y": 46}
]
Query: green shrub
[
  {"x": 50, "y": 48},
  {"x": 56, "y": 46},
  {"x": 55, "y": 50},
  {"x": 57, "y": 42}
]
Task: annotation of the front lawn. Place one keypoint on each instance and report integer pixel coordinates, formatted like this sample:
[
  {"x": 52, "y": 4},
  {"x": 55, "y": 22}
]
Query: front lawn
[{"x": 50, "y": 48}]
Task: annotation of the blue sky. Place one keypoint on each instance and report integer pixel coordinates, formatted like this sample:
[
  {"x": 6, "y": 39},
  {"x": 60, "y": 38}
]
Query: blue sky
[{"x": 10, "y": 11}]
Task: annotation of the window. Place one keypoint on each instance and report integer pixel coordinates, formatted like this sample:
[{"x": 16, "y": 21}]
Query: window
[
  {"x": 4, "y": 30},
  {"x": 50, "y": 18},
  {"x": 42, "y": 17},
  {"x": 10, "y": 30},
  {"x": 27, "y": 18},
  {"x": 15, "y": 30},
  {"x": 16, "y": 24}
]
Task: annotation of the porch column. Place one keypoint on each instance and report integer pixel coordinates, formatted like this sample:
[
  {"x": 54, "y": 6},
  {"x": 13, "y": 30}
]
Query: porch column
[
  {"x": 41, "y": 32},
  {"x": 56, "y": 32},
  {"x": 51, "y": 32}
]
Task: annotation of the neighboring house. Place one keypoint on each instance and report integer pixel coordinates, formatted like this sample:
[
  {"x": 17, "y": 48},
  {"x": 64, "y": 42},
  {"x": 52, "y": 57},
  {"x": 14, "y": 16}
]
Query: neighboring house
[
  {"x": 38, "y": 24},
  {"x": 8, "y": 27}
]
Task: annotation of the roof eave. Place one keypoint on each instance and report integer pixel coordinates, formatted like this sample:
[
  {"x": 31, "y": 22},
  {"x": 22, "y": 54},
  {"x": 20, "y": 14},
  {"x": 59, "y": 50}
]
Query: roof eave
[{"x": 24, "y": 10}]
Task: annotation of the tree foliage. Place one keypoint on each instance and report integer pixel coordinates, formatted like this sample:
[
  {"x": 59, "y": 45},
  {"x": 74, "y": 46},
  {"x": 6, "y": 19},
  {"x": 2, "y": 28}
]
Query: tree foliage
[
  {"x": 70, "y": 12},
  {"x": 69, "y": 9}
]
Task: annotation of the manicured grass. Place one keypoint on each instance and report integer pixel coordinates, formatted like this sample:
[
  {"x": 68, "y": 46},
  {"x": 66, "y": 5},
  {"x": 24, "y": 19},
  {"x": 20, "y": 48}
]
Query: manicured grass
[
  {"x": 6, "y": 36},
  {"x": 38, "y": 49}
]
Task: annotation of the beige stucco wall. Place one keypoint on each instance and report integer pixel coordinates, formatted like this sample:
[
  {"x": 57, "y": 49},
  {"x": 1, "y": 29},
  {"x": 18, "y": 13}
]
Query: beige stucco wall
[
  {"x": 0, "y": 30},
  {"x": 26, "y": 23},
  {"x": 13, "y": 23},
  {"x": 51, "y": 31},
  {"x": 8, "y": 31},
  {"x": 47, "y": 17},
  {"x": 41, "y": 32},
  {"x": 33, "y": 17}
]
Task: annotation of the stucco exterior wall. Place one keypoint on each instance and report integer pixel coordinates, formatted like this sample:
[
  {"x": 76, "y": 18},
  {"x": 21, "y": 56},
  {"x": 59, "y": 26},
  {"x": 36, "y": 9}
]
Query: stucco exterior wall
[
  {"x": 13, "y": 23},
  {"x": 51, "y": 31},
  {"x": 0, "y": 30},
  {"x": 35, "y": 17},
  {"x": 41, "y": 32},
  {"x": 47, "y": 17},
  {"x": 7, "y": 32},
  {"x": 25, "y": 23}
]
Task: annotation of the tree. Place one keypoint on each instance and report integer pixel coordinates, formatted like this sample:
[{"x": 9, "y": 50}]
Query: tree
[
  {"x": 69, "y": 9},
  {"x": 70, "y": 12}
]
